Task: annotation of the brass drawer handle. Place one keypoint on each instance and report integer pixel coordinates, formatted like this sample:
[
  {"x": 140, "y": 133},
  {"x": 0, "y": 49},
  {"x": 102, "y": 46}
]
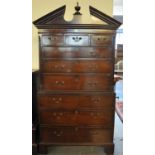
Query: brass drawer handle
[
  {"x": 62, "y": 67},
  {"x": 55, "y": 100},
  {"x": 76, "y": 39},
  {"x": 58, "y": 115},
  {"x": 60, "y": 99},
  {"x": 58, "y": 134},
  {"x": 92, "y": 84},
  {"x": 101, "y": 39},
  {"x": 92, "y": 67},
  {"x": 59, "y": 67},
  {"x": 96, "y": 99},
  {"x": 95, "y": 114},
  {"x": 93, "y": 54},
  {"x": 49, "y": 38},
  {"x": 93, "y": 132},
  {"x": 52, "y": 38},
  {"x": 59, "y": 83}
]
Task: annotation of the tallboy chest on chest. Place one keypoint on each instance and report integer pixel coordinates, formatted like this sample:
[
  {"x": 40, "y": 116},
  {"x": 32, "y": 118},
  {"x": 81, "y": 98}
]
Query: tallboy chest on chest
[{"x": 76, "y": 98}]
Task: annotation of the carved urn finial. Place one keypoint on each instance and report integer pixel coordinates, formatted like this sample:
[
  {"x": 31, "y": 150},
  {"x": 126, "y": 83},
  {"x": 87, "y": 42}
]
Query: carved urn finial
[{"x": 77, "y": 8}]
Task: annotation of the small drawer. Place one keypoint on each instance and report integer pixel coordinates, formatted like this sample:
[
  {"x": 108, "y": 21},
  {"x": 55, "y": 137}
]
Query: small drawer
[
  {"x": 77, "y": 40},
  {"x": 52, "y": 101},
  {"x": 54, "y": 40},
  {"x": 96, "y": 101},
  {"x": 77, "y": 117},
  {"x": 76, "y": 134},
  {"x": 57, "y": 66},
  {"x": 101, "y": 40}
]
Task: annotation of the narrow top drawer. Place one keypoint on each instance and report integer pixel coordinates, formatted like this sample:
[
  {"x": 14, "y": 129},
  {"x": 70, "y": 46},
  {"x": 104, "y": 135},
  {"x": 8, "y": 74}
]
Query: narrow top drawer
[
  {"x": 77, "y": 40},
  {"x": 48, "y": 40},
  {"x": 101, "y": 40}
]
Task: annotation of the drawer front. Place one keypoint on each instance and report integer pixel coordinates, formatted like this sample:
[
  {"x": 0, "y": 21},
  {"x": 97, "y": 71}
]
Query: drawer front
[
  {"x": 54, "y": 66},
  {"x": 101, "y": 40},
  {"x": 77, "y": 117},
  {"x": 77, "y": 52},
  {"x": 83, "y": 66},
  {"x": 75, "y": 135},
  {"x": 70, "y": 101},
  {"x": 54, "y": 40},
  {"x": 77, "y": 82},
  {"x": 77, "y": 40}
]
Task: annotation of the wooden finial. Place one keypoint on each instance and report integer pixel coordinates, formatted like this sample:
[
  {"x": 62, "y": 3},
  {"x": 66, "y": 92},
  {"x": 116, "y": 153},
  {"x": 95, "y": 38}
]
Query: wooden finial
[{"x": 77, "y": 8}]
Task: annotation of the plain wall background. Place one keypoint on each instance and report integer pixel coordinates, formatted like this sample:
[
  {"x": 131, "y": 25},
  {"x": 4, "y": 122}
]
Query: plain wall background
[{"x": 42, "y": 7}]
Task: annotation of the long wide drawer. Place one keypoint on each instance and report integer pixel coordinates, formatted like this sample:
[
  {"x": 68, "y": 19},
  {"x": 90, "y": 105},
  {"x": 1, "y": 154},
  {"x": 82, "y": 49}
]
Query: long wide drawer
[
  {"x": 77, "y": 82},
  {"x": 96, "y": 135},
  {"x": 77, "y": 117},
  {"x": 78, "y": 66},
  {"x": 73, "y": 101},
  {"x": 77, "y": 52}
]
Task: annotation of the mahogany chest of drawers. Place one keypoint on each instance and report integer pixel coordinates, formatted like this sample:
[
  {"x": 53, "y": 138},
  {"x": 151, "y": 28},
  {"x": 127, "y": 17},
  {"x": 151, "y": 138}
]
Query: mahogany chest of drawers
[{"x": 76, "y": 98}]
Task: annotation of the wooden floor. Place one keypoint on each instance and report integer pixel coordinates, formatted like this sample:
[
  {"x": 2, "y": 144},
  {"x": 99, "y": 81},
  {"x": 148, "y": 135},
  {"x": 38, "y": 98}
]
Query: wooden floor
[{"x": 92, "y": 150}]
